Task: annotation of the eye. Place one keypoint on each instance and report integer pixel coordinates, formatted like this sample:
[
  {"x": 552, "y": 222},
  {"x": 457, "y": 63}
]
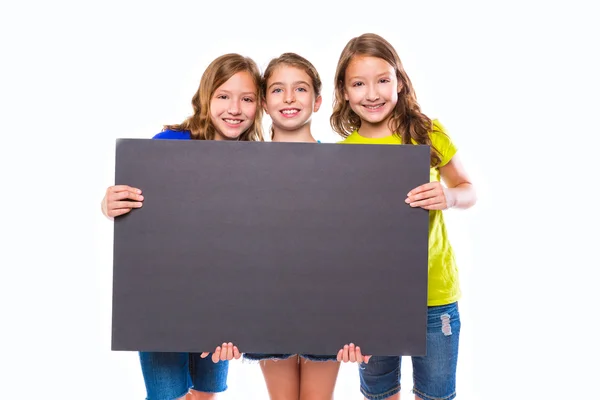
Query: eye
[
  {"x": 301, "y": 89},
  {"x": 277, "y": 90},
  {"x": 384, "y": 80},
  {"x": 222, "y": 97},
  {"x": 356, "y": 84},
  {"x": 248, "y": 99}
]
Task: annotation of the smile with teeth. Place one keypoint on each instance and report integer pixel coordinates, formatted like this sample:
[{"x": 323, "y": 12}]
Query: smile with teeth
[
  {"x": 374, "y": 106},
  {"x": 290, "y": 112},
  {"x": 233, "y": 121}
]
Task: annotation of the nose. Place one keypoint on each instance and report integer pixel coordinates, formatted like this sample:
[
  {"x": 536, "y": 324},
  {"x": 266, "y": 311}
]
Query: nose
[
  {"x": 234, "y": 108},
  {"x": 372, "y": 94},
  {"x": 289, "y": 97}
]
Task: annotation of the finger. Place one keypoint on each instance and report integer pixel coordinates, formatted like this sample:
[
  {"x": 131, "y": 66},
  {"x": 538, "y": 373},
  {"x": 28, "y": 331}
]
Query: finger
[
  {"x": 422, "y": 195},
  {"x": 204, "y": 355},
  {"x": 426, "y": 202},
  {"x": 359, "y": 356},
  {"x": 236, "y": 353},
  {"x": 224, "y": 352},
  {"x": 416, "y": 190},
  {"x": 230, "y": 351},
  {"x": 125, "y": 195},
  {"x": 367, "y": 358},
  {"x": 346, "y": 356},
  {"x": 216, "y": 355},
  {"x": 124, "y": 204},
  {"x": 116, "y": 213},
  {"x": 436, "y": 206},
  {"x": 340, "y": 355},
  {"x": 124, "y": 188},
  {"x": 352, "y": 352},
  {"x": 424, "y": 187}
]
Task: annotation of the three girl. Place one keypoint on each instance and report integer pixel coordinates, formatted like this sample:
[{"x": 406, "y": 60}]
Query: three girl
[{"x": 374, "y": 104}]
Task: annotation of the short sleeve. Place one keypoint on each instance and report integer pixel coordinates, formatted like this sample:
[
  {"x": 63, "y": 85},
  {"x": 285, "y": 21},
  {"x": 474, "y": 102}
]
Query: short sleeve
[
  {"x": 442, "y": 143},
  {"x": 173, "y": 135}
]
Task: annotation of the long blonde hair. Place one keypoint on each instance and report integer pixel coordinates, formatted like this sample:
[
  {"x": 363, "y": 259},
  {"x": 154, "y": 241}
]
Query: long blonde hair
[
  {"x": 407, "y": 120},
  {"x": 217, "y": 73}
]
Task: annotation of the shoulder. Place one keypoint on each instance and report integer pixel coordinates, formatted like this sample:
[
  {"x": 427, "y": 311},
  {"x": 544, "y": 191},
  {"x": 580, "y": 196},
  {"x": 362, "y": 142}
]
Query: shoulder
[
  {"x": 438, "y": 132},
  {"x": 173, "y": 135}
]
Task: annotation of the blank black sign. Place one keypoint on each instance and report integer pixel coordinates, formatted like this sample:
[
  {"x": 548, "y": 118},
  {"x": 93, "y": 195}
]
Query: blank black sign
[{"x": 276, "y": 247}]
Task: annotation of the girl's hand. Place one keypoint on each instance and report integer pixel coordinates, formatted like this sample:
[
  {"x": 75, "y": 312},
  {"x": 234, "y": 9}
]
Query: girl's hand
[
  {"x": 225, "y": 352},
  {"x": 350, "y": 353},
  {"x": 120, "y": 199},
  {"x": 430, "y": 196}
]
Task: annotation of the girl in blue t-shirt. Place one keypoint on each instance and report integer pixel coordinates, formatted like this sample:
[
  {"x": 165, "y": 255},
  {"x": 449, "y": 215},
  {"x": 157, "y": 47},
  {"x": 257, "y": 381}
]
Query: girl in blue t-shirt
[{"x": 227, "y": 106}]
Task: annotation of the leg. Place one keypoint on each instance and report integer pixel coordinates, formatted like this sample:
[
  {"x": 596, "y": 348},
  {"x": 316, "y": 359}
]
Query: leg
[
  {"x": 435, "y": 374},
  {"x": 282, "y": 378},
  {"x": 208, "y": 378},
  {"x": 196, "y": 395},
  {"x": 317, "y": 379},
  {"x": 394, "y": 397},
  {"x": 166, "y": 375},
  {"x": 380, "y": 378}
]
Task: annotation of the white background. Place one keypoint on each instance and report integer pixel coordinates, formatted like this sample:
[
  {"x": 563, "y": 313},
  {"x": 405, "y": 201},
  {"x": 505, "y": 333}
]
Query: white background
[{"x": 515, "y": 83}]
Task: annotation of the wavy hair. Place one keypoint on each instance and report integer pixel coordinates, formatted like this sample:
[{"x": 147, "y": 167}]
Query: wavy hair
[
  {"x": 407, "y": 121},
  {"x": 217, "y": 73}
]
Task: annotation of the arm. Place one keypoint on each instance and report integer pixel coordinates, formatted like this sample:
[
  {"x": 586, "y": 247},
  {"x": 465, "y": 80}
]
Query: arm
[
  {"x": 459, "y": 187},
  {"x": 458, "y": 192}
]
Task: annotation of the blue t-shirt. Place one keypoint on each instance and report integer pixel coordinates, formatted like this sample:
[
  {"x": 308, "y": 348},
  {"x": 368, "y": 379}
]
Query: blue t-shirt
[
  {"x": 178, "y": 135},
  {"x": 173, "y": 135}
]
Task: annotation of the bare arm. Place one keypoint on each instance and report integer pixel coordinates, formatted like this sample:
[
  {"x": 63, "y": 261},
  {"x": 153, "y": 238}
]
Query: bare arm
[{"x": 458, "y": 192}]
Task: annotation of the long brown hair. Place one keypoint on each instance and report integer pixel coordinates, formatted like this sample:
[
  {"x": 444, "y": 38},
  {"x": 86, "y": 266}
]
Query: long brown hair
[
  {"x": 292, "y": 60},
  {"x": 407, "y": 121},
  {"x": 217, "y": 73}
]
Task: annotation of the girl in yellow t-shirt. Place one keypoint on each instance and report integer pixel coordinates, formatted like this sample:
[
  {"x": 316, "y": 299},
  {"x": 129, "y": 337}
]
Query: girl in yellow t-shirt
[{"x": 375, "y": 103}]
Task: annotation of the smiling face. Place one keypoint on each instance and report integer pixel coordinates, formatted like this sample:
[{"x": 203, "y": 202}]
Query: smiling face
[
  {"x": 371, "y": 89},
  {"x": 290, "y": 98},
  {"x": 233, "y": 106}
]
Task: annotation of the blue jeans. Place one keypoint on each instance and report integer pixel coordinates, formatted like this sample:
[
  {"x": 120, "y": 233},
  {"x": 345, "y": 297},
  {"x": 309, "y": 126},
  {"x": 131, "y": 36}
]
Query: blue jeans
[
  {"x": 169, "y": 376},
  {"x": 434, "y": 375}
]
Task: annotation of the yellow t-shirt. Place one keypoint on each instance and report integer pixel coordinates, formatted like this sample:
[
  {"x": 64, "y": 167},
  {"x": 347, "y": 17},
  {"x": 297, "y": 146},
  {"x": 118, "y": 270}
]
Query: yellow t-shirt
[{"x": 443, "y": 285}]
